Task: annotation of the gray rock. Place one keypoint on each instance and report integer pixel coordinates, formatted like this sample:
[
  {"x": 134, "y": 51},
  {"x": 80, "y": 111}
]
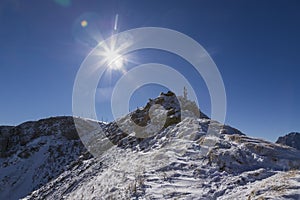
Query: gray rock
[{"x": 292, "y": 139}]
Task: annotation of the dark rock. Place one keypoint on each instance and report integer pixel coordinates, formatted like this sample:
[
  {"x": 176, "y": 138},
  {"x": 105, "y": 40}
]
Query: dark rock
[
  {"x": 4, "y": 138},
  {"x": 292, "y": 139},
  {"x": 24, "y": 154}
]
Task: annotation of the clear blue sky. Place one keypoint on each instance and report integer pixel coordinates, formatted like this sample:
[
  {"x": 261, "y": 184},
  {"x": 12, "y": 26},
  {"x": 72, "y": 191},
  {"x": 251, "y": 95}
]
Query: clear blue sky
[{"x": 255, "y": 45}]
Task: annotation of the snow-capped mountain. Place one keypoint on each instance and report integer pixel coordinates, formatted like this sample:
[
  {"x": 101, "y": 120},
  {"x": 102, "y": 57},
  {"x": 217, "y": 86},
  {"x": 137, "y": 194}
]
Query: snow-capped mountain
[
  {"x": 291, "y": 139},
  {"x": 182, "y": 160}
]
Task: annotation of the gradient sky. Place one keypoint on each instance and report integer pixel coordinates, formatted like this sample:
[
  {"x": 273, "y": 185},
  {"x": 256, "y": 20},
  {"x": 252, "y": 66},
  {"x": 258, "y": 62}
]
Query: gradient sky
[{"x": 255, "y": 45}]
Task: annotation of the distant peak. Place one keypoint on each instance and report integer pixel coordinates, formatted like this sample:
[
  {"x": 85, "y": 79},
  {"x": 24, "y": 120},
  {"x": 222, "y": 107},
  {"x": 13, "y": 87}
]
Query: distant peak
[{"x": 291, "y": 139}]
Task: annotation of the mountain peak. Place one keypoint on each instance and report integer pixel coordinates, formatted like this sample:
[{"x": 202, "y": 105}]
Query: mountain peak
[{"x": 176, "y": 107}]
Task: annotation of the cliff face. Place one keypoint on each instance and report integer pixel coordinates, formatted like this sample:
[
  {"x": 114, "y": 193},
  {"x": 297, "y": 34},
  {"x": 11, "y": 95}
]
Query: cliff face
[{"x": 291, "y": 139}]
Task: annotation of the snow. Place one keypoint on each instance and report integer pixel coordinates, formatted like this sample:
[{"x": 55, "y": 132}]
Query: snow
[
  {"x": 180, "y": 161},
  {"x": 174, "y": 168}
]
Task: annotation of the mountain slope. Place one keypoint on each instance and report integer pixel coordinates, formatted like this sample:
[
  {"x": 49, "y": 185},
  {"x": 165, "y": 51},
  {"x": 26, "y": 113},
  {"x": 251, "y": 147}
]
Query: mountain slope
[
  {"x": 237, "y": 167},
  {"x": 175, "y": 152},
  {"x": 180, "y": 161},
  {"x": 33, "y": 153}
]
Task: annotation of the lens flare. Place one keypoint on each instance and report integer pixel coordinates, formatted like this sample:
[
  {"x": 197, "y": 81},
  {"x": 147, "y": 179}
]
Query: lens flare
[
  {"x": 111, "y": 54},
  {"x": 86, "y": 31},
  {"x": 84, "y": 23},
  {"x": 110, "y": 51}
]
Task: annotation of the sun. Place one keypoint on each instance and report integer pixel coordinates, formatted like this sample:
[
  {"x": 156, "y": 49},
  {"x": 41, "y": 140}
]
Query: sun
[
  {"x": 111, "y": 54},
  {"x": 114, "y": 60}
]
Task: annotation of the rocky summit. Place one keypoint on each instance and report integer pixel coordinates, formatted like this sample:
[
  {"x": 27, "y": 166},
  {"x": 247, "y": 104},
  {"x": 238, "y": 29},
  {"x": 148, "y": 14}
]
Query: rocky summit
[{"x": 168, "y": 149}]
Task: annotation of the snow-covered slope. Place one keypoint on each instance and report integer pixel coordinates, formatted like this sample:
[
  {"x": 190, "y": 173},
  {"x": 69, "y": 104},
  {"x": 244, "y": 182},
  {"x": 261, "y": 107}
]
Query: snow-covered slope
[
  {"x": 179, "y": 161},
  {"x": 171, "y": 167}
]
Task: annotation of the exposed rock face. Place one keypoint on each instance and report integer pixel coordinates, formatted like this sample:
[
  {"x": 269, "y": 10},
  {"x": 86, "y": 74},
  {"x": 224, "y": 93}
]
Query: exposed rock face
[
  {"x": 175, "y": 106},
  {"x": 168, "y": 101},
  {"x": 291, "y": 139},
  {"x": 4, "y": 133},
  {"x": 12, "y": 138},
  {"x": 35, "y": 152}
]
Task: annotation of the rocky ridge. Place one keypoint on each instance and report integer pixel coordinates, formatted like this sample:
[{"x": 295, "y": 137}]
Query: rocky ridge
[{"x": 180, "y": 161}]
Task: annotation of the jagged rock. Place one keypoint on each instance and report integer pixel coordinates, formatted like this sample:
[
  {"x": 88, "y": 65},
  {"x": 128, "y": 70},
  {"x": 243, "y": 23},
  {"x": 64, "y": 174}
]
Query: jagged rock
[{"x": 291, "y": 139}]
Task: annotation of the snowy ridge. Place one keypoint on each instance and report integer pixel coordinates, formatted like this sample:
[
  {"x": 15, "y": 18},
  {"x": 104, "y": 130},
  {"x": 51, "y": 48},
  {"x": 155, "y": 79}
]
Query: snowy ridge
[
  {"x": 237, "y": 167},
  {"x": 167, "y": 165}
]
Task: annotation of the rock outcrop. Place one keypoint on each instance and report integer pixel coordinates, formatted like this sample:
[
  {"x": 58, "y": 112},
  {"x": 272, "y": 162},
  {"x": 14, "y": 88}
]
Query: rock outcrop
[{"x": 291, "y": 139}]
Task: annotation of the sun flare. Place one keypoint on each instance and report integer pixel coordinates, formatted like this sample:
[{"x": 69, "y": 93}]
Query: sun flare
[
  {"x": 111, "y": 54},
  {"x": 114, "y": 60}
]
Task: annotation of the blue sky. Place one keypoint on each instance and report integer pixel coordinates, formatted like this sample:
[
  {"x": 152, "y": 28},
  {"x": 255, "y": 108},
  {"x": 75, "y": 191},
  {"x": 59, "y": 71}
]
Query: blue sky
[{"x": 255, "y": 45}]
